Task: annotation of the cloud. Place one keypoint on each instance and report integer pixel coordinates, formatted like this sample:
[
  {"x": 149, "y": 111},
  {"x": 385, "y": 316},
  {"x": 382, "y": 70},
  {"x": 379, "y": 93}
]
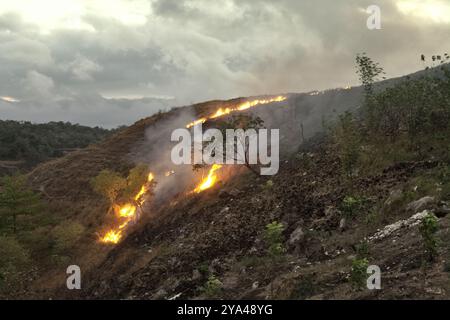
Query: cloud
[
  {"x": 63, "y": 61},
  {"x": 38, "y": 85},
  {"x": 83, "y": 69}
]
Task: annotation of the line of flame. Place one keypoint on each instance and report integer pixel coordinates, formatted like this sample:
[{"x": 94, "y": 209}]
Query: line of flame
[
  {"x": 243, "y": 106},
  {"x": 210, "y": 179}
]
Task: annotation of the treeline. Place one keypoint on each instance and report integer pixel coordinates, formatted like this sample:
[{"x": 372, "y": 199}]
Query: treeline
[{"x": 34, "y": 143}]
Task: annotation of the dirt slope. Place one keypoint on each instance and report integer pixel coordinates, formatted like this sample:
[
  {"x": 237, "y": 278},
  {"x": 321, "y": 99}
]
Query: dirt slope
[{"x": 220, "y": 232}]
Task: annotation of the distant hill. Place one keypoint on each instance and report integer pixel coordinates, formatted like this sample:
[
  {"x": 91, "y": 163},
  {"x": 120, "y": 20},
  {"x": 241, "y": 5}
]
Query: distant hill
[{"x": 27, "y": 144}]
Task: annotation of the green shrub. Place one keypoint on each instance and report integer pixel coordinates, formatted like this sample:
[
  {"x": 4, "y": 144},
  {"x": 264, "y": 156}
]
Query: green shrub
[
  {"x": 351, "y": 205},
  {"x": 428, "y": 229},
  {"x": 273, "y": 236},
  {"x": 108, "y": 184},
  {"x": 212, "y": 287},
  {"x": 348, "y": 141},
  {"x": 358, "y": 275},
  {"x": 268, "y": 185}
]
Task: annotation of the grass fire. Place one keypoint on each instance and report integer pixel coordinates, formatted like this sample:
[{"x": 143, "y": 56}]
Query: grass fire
[{"x": 128, "y": 212}]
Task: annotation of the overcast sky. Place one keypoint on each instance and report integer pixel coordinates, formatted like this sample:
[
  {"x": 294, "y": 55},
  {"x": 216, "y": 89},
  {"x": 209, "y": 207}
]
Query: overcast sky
[{"x": 93, "y": 61}]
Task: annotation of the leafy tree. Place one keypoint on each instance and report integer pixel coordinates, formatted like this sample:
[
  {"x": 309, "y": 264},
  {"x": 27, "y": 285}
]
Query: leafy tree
[
  {"x": 115, "y": 188},
  {"x": 246, "y": 126},
  {"x": 17, "y": 198},
  {"x": 368, "y": 72},
  {"x": 108, "y": 184}
]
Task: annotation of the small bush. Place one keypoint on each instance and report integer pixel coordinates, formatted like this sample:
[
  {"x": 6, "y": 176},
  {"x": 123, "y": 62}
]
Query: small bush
[
  {"x": 273, "y": 236},
  {"x": 212, "y": 287},
  {"x": 351, "y": 205},
  {"x": 428, "y": 229},
  {"x": 358, "y": 275},
  {"x": 268, "y": 185}
]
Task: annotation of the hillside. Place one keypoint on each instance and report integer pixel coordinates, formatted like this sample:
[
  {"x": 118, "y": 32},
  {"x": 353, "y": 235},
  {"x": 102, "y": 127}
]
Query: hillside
[{"x": 352, "y": 190}]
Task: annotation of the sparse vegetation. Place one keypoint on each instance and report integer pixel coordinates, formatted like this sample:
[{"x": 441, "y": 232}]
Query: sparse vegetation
[
  {"x": 212, "y": 287},
  {"x": 362, "y": 249},
  {"x": 428, "y": 229},
  {"x": 351, "y": 205},
  {"x": 348, "y": 140},
  {"x": 14, "y": 259},
  {"x": 273, "y": 236},
  {"x": 358, "y": 275}
]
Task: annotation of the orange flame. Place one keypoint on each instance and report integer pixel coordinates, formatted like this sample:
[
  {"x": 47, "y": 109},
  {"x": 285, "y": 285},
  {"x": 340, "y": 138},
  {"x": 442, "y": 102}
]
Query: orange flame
[
  {"x": 112, "y": 236},
  {"x": 128, "y": 212},
  {"x": 210, "y": 180},
  {"x": 243, "y": 106}
]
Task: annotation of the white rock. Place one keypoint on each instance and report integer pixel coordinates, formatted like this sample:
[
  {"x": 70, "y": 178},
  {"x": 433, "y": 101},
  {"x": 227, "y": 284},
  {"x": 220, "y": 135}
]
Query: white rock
[{"x": 392, "y": 228}]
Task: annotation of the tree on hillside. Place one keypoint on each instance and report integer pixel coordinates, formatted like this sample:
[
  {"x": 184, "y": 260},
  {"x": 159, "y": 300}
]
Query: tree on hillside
[
  {"x": 17, "y": 198},
  {"x": 108, "y": 184},
  {"x": 245, "y": 127},
  {"x": 369, "y": 73},
  {"x": 115, "y": 188}
]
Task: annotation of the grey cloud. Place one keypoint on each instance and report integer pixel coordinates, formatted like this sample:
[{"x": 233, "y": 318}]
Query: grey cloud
[{"x": 199, "y": 50}]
